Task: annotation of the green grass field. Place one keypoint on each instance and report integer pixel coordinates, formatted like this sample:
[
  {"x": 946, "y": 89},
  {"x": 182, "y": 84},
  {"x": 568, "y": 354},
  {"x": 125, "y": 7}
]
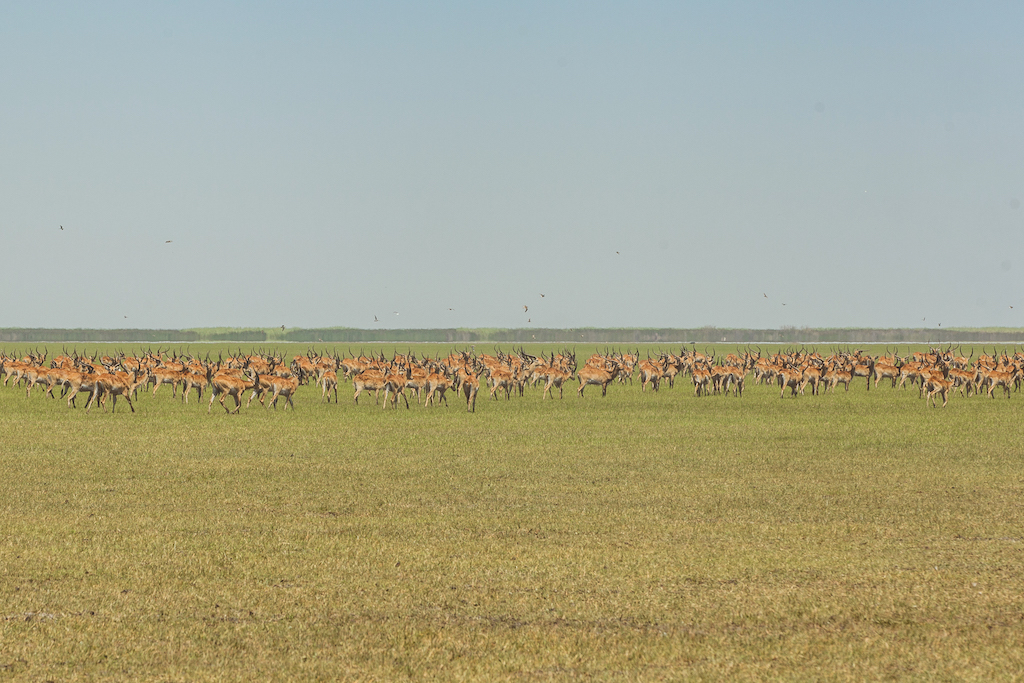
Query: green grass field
[{"x": 641, "y": 536}]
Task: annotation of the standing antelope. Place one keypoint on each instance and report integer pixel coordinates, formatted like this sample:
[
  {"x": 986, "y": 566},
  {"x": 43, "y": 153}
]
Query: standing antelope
[{"x": 470, "y": 382}]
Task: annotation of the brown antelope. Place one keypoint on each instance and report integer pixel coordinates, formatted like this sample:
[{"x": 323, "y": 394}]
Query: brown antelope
[
  {"x": 911, "y": 371},
  {"x": 115, "y": 385},
  {"x": 963, "y": 380},
  {"x": 601, "y": 377},
  {"x": 886, "y": 370},
  {"x": 198, "y": 378},
  {"x": 78, "y": 382},
  {"x": 733, "y": 375},
  {"x": 555, "y": 378},
  {"x": 261, "y": 388},
  {"x": 811, "y": 374},
  {"x": 790, "y": 377},
  {"x": 416, "y": 379},
  {"x": 836, "y": 374},
  {"x": 159, "y": 376},
  {"x": 33, "y": 375},
  {"x": 650, "y": 373},
  {"x": 283, "y": 386},
  {"x": 438, "y": 384},
  {"x": 470, "y": 383},
  {"x": 328, "y": 382},
  {"x": 702, "y": 378},
  {"x": 368, "y": 380},
  {"x": 394, "y": 385},
  {"x": 936, "y": 384},
  {"x": 223, "y": 385},
  {"x": 864, "y": 367},
  {"x": 1001, "y": 378},
  {"x": 501, "y": 378}
]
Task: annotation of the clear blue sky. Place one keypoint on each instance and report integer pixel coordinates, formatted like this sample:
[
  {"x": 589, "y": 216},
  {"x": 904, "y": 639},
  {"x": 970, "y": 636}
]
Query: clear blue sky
[{"x": 640, "y": 164}]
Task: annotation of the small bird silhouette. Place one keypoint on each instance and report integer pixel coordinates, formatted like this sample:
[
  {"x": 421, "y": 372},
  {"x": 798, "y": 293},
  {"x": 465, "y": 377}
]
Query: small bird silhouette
[
  {"x": 765, "y": 296},
  {"x": 616, "y": 252},
  {"x": 396, "y": 312},
  {"x": 525, "y": 309},
  {"x": 529, "y": 320},
  {"x": 375, "y": 319},
  {"x": 62, "y": 227},
  {"x": 1011, "y": 306},
  {"x": 282, "y": 327},
  {"x": 451, "y": 309},
  {"x": 168, "y": 241},
  {"x": 541, "y": 296}
]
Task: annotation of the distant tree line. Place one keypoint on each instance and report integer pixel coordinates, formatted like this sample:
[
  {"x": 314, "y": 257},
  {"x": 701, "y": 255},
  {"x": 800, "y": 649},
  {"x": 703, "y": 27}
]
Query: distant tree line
[{"x": 588, "y": 335}]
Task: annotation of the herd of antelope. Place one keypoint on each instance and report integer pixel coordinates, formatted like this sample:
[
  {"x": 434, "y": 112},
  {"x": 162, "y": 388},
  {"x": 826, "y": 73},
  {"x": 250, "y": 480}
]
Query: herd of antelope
[{"x": 268, "y": 377}]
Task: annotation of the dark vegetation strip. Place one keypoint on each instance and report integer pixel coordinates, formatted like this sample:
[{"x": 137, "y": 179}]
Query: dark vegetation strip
[{"x": 583, "y": 335}]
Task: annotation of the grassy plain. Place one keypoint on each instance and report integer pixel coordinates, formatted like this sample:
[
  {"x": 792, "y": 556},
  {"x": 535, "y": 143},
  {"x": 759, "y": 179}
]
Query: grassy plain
[{"x": 640, "y": 536}]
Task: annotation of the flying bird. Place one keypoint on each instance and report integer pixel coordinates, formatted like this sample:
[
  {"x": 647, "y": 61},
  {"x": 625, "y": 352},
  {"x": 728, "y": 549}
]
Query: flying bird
[
  {"x": 62, "y": 227},
  {"x": 541, "y": 296},
  {"x": 396, "y": 312},
  {"x": 168, "y": 241},
  {"x": 765, "y": 296},
  {"x": 375, "y": 319},
  {"x": 1011, "y": 306},
  {"x": 529, "y": 320},
  {"x": 525, "y": 309},
  {"x": 282, "y": 327}
]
